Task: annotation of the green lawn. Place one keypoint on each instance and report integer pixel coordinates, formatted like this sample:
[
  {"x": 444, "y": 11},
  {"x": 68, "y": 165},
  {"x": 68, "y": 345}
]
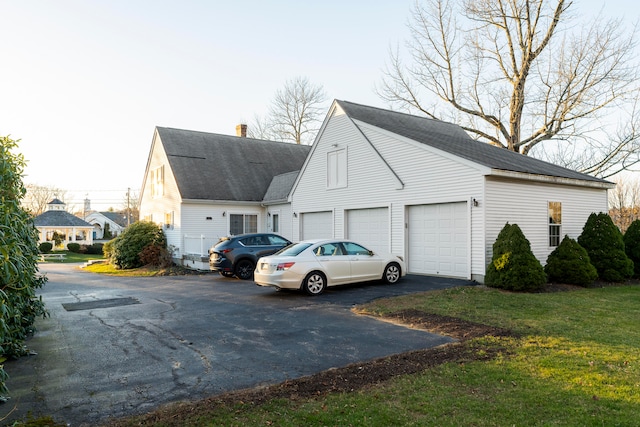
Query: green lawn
[
  {"x": 73, "y": 257},
  {"x": 575, "y": 362},
  {"x": 110, "y": 269}
]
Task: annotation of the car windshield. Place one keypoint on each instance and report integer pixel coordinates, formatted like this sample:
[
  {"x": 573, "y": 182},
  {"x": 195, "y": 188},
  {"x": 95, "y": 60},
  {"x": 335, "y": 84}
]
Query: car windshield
[{"x": 293, "y": 250}]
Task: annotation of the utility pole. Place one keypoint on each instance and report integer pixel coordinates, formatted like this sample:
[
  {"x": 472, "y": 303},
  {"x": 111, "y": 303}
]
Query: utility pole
[{"x": 128, "y": 208}]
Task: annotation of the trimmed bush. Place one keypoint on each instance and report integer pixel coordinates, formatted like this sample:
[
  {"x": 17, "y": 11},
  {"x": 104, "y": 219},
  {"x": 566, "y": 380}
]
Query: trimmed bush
[
  {"x": 94, "y": 249},
  {"x": 124, "y": 251},
  {"x": 74, "y": 247},
  {"x": 569, "y": 263},
  {"x": 632, "y": 245},
  {"x": 45, "y": 247},
  {"x": 513, "y": 265},
  {"x": 605, "y": 246}
]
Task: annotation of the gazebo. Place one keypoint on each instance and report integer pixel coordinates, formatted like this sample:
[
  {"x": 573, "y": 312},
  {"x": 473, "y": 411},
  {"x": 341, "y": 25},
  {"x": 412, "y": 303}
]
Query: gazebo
[{"x": 57, "y": 222}]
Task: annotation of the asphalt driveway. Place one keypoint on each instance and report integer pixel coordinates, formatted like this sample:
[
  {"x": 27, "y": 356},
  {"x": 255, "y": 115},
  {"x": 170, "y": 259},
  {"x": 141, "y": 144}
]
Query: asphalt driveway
[{"x": 116, "y": 346}]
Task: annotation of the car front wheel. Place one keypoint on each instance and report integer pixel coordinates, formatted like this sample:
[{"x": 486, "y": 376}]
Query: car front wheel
[
  {"x": 244, "y": 269},
  {"x": 315, "y": 283},
  {"x": 391, "y": 273}
]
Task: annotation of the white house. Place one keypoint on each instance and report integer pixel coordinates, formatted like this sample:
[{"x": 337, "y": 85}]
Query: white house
[
  {"x": 417, "y": 187},
  {"x": 202, "y": 186},
  {"x": 113, "y": 222},
  {"x": 57, "y": 221}
]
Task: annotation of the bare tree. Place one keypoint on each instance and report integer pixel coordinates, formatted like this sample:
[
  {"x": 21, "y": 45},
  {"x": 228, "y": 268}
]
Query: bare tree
[
  {"x": 624, "y": 202},
  {"x": 295, "y": 114},
  {"x": 38, "y": 196},
  {"x": 520, "y": 73},
  {"x": 260, "y": 128}
]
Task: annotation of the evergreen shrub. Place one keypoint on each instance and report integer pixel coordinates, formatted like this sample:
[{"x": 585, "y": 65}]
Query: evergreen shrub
[
  {"x": 569, "y": 263},
  {"x": 74, "y": 247},
  {"x": 45, "y": 247},
  {"x": 605, "y": 246},
  {"x": 632, "y": 245},
  {"x": 124, "y": 251},
  {"x": 94, "y": 249},
  {"x": 513, "y": 265},
  {"x": 20, "y": 305}
]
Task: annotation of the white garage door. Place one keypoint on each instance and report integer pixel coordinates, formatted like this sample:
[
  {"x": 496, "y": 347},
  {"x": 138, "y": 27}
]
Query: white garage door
[
  {"x": 369, "y": 227},
  {"x": 438, "y": 240},
  {"x": 317, "y": 225}
]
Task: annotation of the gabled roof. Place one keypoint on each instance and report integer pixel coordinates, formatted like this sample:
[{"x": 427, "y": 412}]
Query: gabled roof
[
  {"x": 210, "y": 166},
  {"x": 280, "y": 187},
  {"x": 55, "y": 218},
  {"x": 453, "y": 139},
  {"x": 118, "y": 218}
]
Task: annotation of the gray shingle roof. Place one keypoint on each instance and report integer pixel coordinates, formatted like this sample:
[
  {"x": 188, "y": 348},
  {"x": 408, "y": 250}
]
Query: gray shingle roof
[
  {"x": 116, "y": 217},
  {"x": 210, "y": 166},
  {"x": 58, "y": 218},
  {"x": 280, "y": 187},
  {"x": 453, "y": 139}
]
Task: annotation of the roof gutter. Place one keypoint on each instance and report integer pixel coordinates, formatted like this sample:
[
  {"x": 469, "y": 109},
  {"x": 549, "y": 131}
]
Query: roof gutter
[
  {"x": 222, "y": 202},
  {"x": 602, "y": 184}
]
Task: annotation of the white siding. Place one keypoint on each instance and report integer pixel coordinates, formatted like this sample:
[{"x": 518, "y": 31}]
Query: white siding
[
  {"x": 386, "y": 169},
  {"x": 526, "y": 204},
  {"x": 285, "y": 220},
  {"x": 156, "y": 207},
  {"x": 211, "y": 221}
]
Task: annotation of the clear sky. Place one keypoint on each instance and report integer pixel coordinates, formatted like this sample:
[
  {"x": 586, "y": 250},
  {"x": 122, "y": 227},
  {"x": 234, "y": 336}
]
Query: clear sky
[{"x": 83, "y": 83}]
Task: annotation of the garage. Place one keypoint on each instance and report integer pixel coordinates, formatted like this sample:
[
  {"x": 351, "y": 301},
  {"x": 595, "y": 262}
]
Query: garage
[
  {"x": 438, "y": 239},
  {"x": 316, "y": 225},
  {"x": 369, "y": 227}
]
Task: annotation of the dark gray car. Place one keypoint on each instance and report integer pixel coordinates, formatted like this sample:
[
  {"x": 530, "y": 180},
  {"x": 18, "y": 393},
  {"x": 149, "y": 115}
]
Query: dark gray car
[{"x": 237, "y": 255}]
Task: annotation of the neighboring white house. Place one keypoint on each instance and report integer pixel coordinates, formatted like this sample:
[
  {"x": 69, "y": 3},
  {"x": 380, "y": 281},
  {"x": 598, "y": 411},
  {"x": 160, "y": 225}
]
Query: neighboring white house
[
  {"x": 417, "y": 187},
  {"x": 113, "y": 222},
  {"x": 202, "y": 186},
  {"x": 56, "y": 220}
]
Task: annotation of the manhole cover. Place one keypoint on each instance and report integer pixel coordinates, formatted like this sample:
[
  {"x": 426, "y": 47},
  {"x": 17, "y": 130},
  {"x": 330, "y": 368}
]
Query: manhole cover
[{"x": 101, "y": 303}]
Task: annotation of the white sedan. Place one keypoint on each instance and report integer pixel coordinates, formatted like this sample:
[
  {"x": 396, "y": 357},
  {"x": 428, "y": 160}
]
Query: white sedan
[{"x": 313, "y": 265}]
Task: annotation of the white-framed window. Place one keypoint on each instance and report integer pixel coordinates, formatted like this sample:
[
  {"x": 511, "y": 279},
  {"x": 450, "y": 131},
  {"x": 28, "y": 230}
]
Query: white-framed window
[
  {"x": 275, "y": 222},
  {"x": 157, "y": 182},
  {"x": 555, "y": 223},
  {"x": 337, "y": 169},
  {"x": 243, "y": 223},
  {"x": 168, "y": 220}
]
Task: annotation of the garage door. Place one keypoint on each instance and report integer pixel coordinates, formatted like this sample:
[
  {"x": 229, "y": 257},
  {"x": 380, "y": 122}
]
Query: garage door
[
  {"x": 369, "y": 227},
  {"x": 437, "y": 236},
  {"x": 317, "y": 225}
]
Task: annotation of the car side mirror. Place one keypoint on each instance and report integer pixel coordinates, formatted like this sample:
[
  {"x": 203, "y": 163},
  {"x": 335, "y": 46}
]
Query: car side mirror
[{"x": 371, "y": 253}]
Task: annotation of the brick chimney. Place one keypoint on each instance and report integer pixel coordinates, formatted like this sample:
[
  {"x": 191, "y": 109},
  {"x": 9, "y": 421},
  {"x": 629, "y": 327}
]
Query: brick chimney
[{"x": 241, "y": 131}]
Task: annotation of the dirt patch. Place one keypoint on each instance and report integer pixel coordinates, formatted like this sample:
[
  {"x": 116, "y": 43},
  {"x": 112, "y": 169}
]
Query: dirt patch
[{"x": 352, "y": 377}]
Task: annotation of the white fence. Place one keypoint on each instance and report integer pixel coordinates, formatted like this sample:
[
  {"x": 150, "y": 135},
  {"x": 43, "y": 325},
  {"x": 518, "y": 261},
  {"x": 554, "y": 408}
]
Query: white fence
[{"x": 198, "y": 245}]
